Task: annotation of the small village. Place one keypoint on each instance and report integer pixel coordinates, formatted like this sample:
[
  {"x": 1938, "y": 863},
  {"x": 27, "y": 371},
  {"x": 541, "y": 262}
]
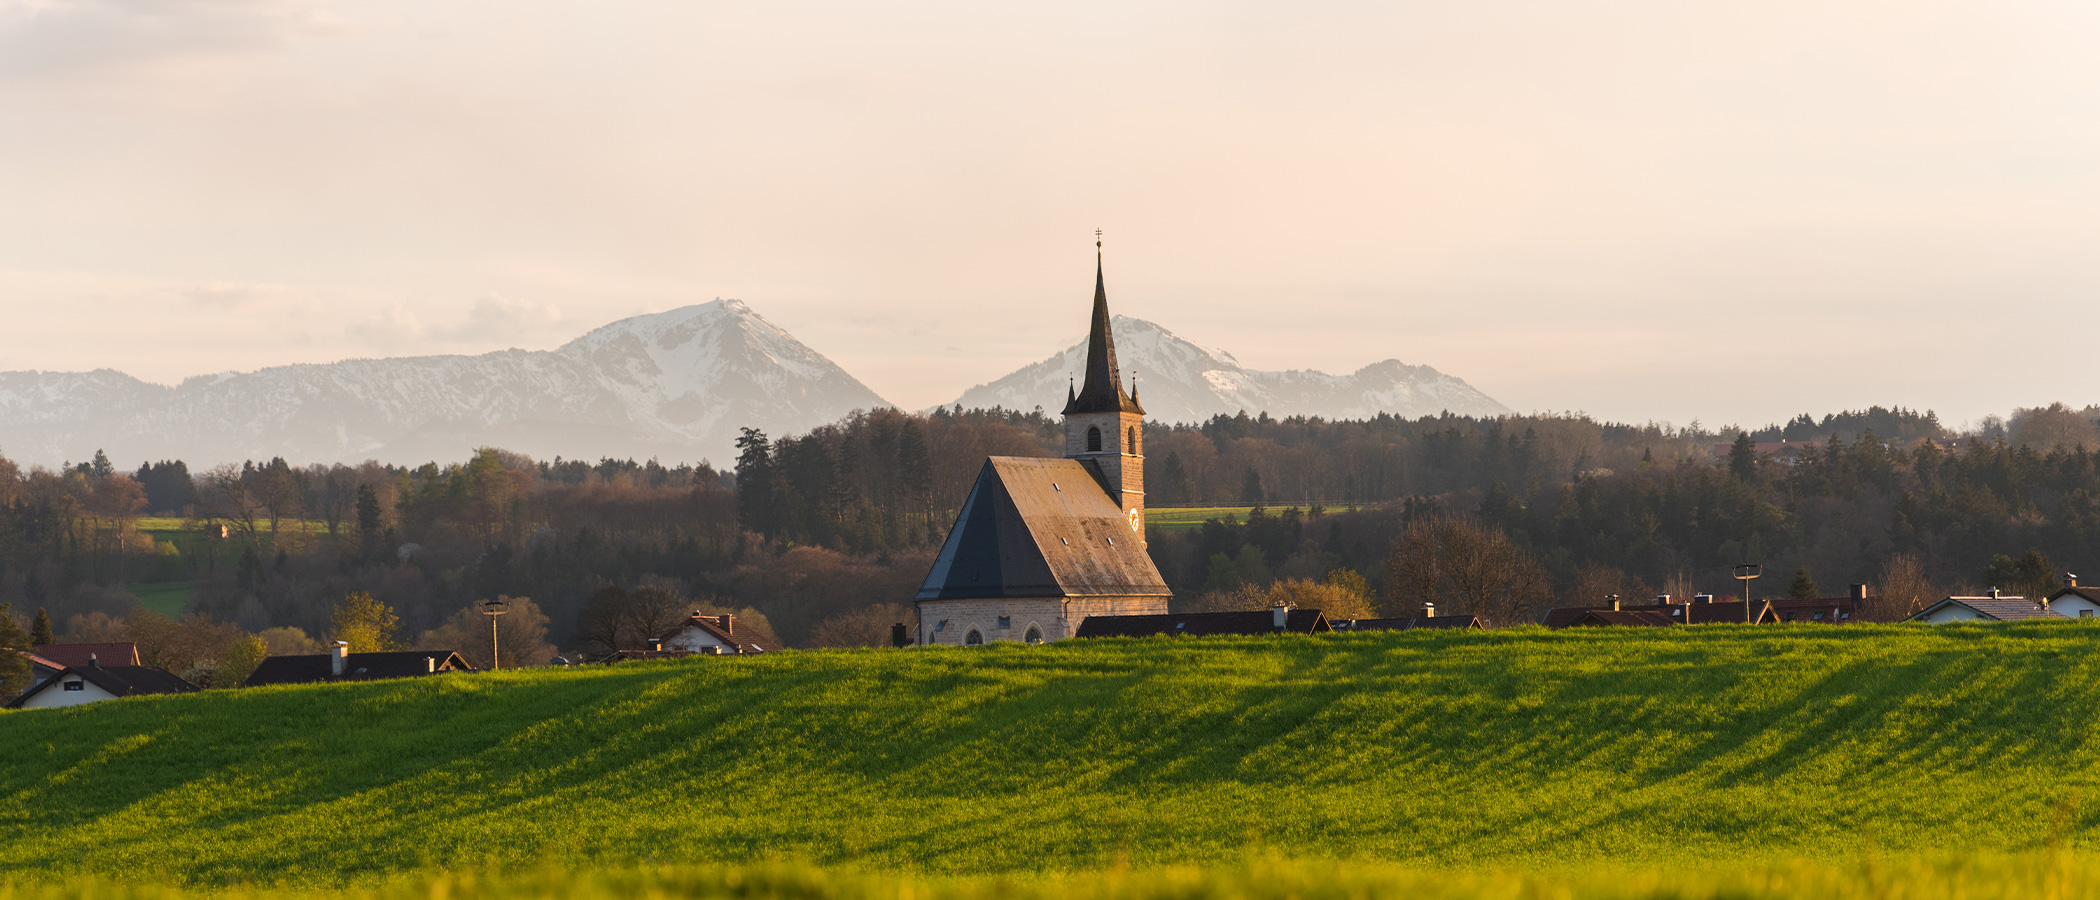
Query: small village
[{"x": 1033, "y": 557}]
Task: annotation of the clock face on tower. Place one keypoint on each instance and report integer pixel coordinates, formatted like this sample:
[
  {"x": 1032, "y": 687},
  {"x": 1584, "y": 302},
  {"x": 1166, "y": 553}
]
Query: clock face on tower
[{"x": 1137, "y": 521}]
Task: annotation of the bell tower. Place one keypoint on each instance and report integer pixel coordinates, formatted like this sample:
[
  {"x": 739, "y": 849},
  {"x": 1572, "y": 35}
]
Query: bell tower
[{"x": 1104, "y": 425}]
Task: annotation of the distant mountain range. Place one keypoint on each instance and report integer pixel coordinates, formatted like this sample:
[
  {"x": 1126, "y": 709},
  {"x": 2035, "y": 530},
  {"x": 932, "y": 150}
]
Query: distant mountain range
[
  {"x": 675, "y": 385},
  {"x": 1182, "y": 381}
]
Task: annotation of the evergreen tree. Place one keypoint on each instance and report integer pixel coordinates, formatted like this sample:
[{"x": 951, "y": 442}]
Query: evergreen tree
[
  {"x": 368, "y": 523},
  {"x": 1250, "y": 488},
  {"x": 754, "y": 483},
  {"x": 1174, "y": 481},
  {"x": 40, "y": 630},
  {"x": 1802, "y": 587},
  {"x": 1742, "y": 458},
  {"x": 915, "y": 472}
]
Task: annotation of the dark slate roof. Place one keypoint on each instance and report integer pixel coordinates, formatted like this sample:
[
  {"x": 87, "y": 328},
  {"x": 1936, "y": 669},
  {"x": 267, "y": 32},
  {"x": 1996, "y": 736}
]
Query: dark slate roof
[
  {"x": 1685, "y": 613},
  {"x": 1625, "y": 618},
  {"x": 642, "y": 655},
  {"x": 1460, "y": 620},
  {"x": 1253, "y": 621},
  {"x": 2090, "y": 593},
  {"x": 121, "y": 681},
  {"x": 2003, "y": 609},
  {"x": 1041, "y": 528},
  {"x": 118, "y": 653},
  {"x": 1834, "y": 610},
  {"x": 359, "y": 667},
  {"x": 1103, "y": 389}
]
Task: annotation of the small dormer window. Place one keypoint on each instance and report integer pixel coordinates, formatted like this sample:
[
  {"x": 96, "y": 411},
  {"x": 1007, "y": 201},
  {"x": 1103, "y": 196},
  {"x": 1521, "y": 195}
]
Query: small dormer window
[{"x": 1093, "y": 439}]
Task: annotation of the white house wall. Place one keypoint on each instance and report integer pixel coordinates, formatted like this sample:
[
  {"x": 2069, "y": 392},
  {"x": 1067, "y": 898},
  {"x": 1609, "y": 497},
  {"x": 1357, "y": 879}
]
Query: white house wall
[
  {"x": 2074, "y": 606},
  {"x": 56, "y": 695}
]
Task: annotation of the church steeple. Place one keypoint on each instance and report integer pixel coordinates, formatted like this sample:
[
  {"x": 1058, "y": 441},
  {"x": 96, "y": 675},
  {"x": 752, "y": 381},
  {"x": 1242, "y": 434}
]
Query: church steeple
[{"x": 1103, "y": 389}]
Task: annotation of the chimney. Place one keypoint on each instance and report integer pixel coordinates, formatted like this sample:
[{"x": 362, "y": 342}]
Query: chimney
[
  {"x": 339, "y": 658},
  {"x": 728, "y": 624},
  {"x": 1994, "y": 593},
  {"x": 1702, "y": 598},
  {"x": 1662, "y": 600},
  {"x": 1858, "y": 592},
  {"x": 94, "y": 662},
  {"x": 2070, "y": 579},
  {"x": 656, "y": 644},
  {"x": 1280, "y": 615},
  {"x": 430, "y": 665},
  {"x": 1614, "y": 603},
  {"x": 1428, "y": 610}
]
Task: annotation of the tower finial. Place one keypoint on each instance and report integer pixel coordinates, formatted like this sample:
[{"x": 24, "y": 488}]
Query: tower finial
[{"x": 1097, "y": 240}]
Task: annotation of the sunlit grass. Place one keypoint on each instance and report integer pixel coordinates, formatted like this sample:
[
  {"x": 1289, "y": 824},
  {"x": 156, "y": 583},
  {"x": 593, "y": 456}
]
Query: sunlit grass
[{"x": 1642, "y": 750}]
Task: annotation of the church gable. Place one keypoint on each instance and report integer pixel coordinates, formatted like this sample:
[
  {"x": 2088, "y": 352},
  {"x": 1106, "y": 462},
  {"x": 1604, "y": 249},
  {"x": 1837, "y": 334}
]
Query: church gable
[{"x": 1041, "y": 528}]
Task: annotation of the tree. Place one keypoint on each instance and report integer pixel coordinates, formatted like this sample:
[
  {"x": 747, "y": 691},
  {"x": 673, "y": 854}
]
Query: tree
[
  {"x": 1174, "y": 481},
  {"x": 754, "y": 483},
  {"x": 868, "y": 626},
  {"x": 1463, "y": 568},
  {"x": 1251, "y": 489},
  {"x": 14, "y": 668},
  {"x": 40, "y": 630},
  {"x": 1901, "y": 591},
  {"x": 368, "y": 625},
  {"x": 239, "y": 661},
  {"x": 520, "y": 635},
  {"x": 1742, "y": 457},
  {"x": 2029, "y": 575},
  {"x": 614, "y": 620},
  {"x": 369, "y": 534},
  {"x": 1803, "y": 587}
]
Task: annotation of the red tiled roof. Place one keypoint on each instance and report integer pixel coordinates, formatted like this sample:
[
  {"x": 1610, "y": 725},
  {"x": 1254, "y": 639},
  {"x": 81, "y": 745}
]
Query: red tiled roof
[{"x": 124, "y": 653}]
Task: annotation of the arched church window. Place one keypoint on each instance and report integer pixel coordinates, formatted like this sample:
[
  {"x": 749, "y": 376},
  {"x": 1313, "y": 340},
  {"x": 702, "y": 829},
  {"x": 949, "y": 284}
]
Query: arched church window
[
  {"x": 974, "y": 639},
  {"x": 1133, "y": 441},
  {"x": 1093, "y": 439},
  {"x": 1034, "y": 635}
]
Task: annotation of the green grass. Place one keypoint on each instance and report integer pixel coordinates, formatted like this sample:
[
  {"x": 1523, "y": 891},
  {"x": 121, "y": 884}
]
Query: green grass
[
  {"x": 170, "y": 527},
  {"x": 1672, "y": 750},
  {"x": 169, "y": 598},
  {"x": 2060, "y": 876},
  {"x": 1179, "y": 518}
]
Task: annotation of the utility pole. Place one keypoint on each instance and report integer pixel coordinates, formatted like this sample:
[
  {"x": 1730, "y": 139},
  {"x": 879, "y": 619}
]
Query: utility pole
[
  {"x": 492, "y": 609},
  {"x": 1744, "y": 573}
]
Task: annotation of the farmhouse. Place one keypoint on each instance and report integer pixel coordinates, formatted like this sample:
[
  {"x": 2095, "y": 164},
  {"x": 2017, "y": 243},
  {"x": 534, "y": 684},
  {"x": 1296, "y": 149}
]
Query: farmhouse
[
  {"x": 74, "y": 685},
  {"x": 1041, "y": 546},
  {"x": 1994, "y": 608},
  {"x": 339, "y": 664},
  {"x": 1274, "y": 620}
]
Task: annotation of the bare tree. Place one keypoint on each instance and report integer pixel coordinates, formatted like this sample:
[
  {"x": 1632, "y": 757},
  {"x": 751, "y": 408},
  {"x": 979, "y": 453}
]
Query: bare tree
[
  {"x": 1464, "y": 568},
  {"x": 1901, "y": 591},
  {"x": 226, "y": 504}
]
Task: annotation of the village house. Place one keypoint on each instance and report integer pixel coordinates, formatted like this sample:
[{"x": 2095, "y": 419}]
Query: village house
[
  {"x": 339, "y": 664},
  {"x": 74, "y": 685},
  {"x": 46, "y": 660},
  {"x": 1274, "y": 620},
  {"x": 716, "y": 636},
  {"x": 1993, "y": 608},
  {"x": 2072, "y": 601},
  {"x": 1041, "y": 546}
]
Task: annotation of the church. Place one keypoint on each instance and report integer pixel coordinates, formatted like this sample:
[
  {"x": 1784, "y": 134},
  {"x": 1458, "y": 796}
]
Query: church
[{"x": 1041, "y": 544}]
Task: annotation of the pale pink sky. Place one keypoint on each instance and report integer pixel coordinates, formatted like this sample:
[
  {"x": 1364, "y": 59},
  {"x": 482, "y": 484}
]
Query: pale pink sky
[{"x": 1645, "y": 210}]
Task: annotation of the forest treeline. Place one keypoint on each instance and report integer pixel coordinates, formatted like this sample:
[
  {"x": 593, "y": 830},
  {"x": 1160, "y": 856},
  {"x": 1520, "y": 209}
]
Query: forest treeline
[{"x": 826, "y": 535}]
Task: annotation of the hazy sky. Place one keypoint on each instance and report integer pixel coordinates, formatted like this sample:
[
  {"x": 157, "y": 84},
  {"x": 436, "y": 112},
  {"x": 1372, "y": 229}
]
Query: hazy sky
[{"x": 1645, "y": 210}]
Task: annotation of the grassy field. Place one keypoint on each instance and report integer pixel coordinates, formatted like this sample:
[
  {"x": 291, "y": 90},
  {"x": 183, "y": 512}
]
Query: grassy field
[
  {"x": 169, "y": 598},
  {"x": 1177, "y": 518},
  {"x": 2055, "y": 875},
  {"x": 1718, "y": 748},
  {"x": 165, "y": 527}
]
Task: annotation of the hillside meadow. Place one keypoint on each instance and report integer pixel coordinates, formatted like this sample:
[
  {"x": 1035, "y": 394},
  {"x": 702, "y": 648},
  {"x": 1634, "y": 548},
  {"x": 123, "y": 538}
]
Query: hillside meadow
[{"x": 1449, "y": 756}]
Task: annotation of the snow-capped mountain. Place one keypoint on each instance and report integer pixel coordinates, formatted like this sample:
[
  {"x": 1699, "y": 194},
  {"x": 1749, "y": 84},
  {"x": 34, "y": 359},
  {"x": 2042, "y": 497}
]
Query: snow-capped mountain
[
  {"x": 675, "y": 385},
  {"x": 1182, "y": 381}
]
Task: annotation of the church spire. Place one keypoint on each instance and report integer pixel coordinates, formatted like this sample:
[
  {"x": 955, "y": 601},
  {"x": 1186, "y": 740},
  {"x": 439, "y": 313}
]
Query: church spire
[{"x": 1103, "y": 390}]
